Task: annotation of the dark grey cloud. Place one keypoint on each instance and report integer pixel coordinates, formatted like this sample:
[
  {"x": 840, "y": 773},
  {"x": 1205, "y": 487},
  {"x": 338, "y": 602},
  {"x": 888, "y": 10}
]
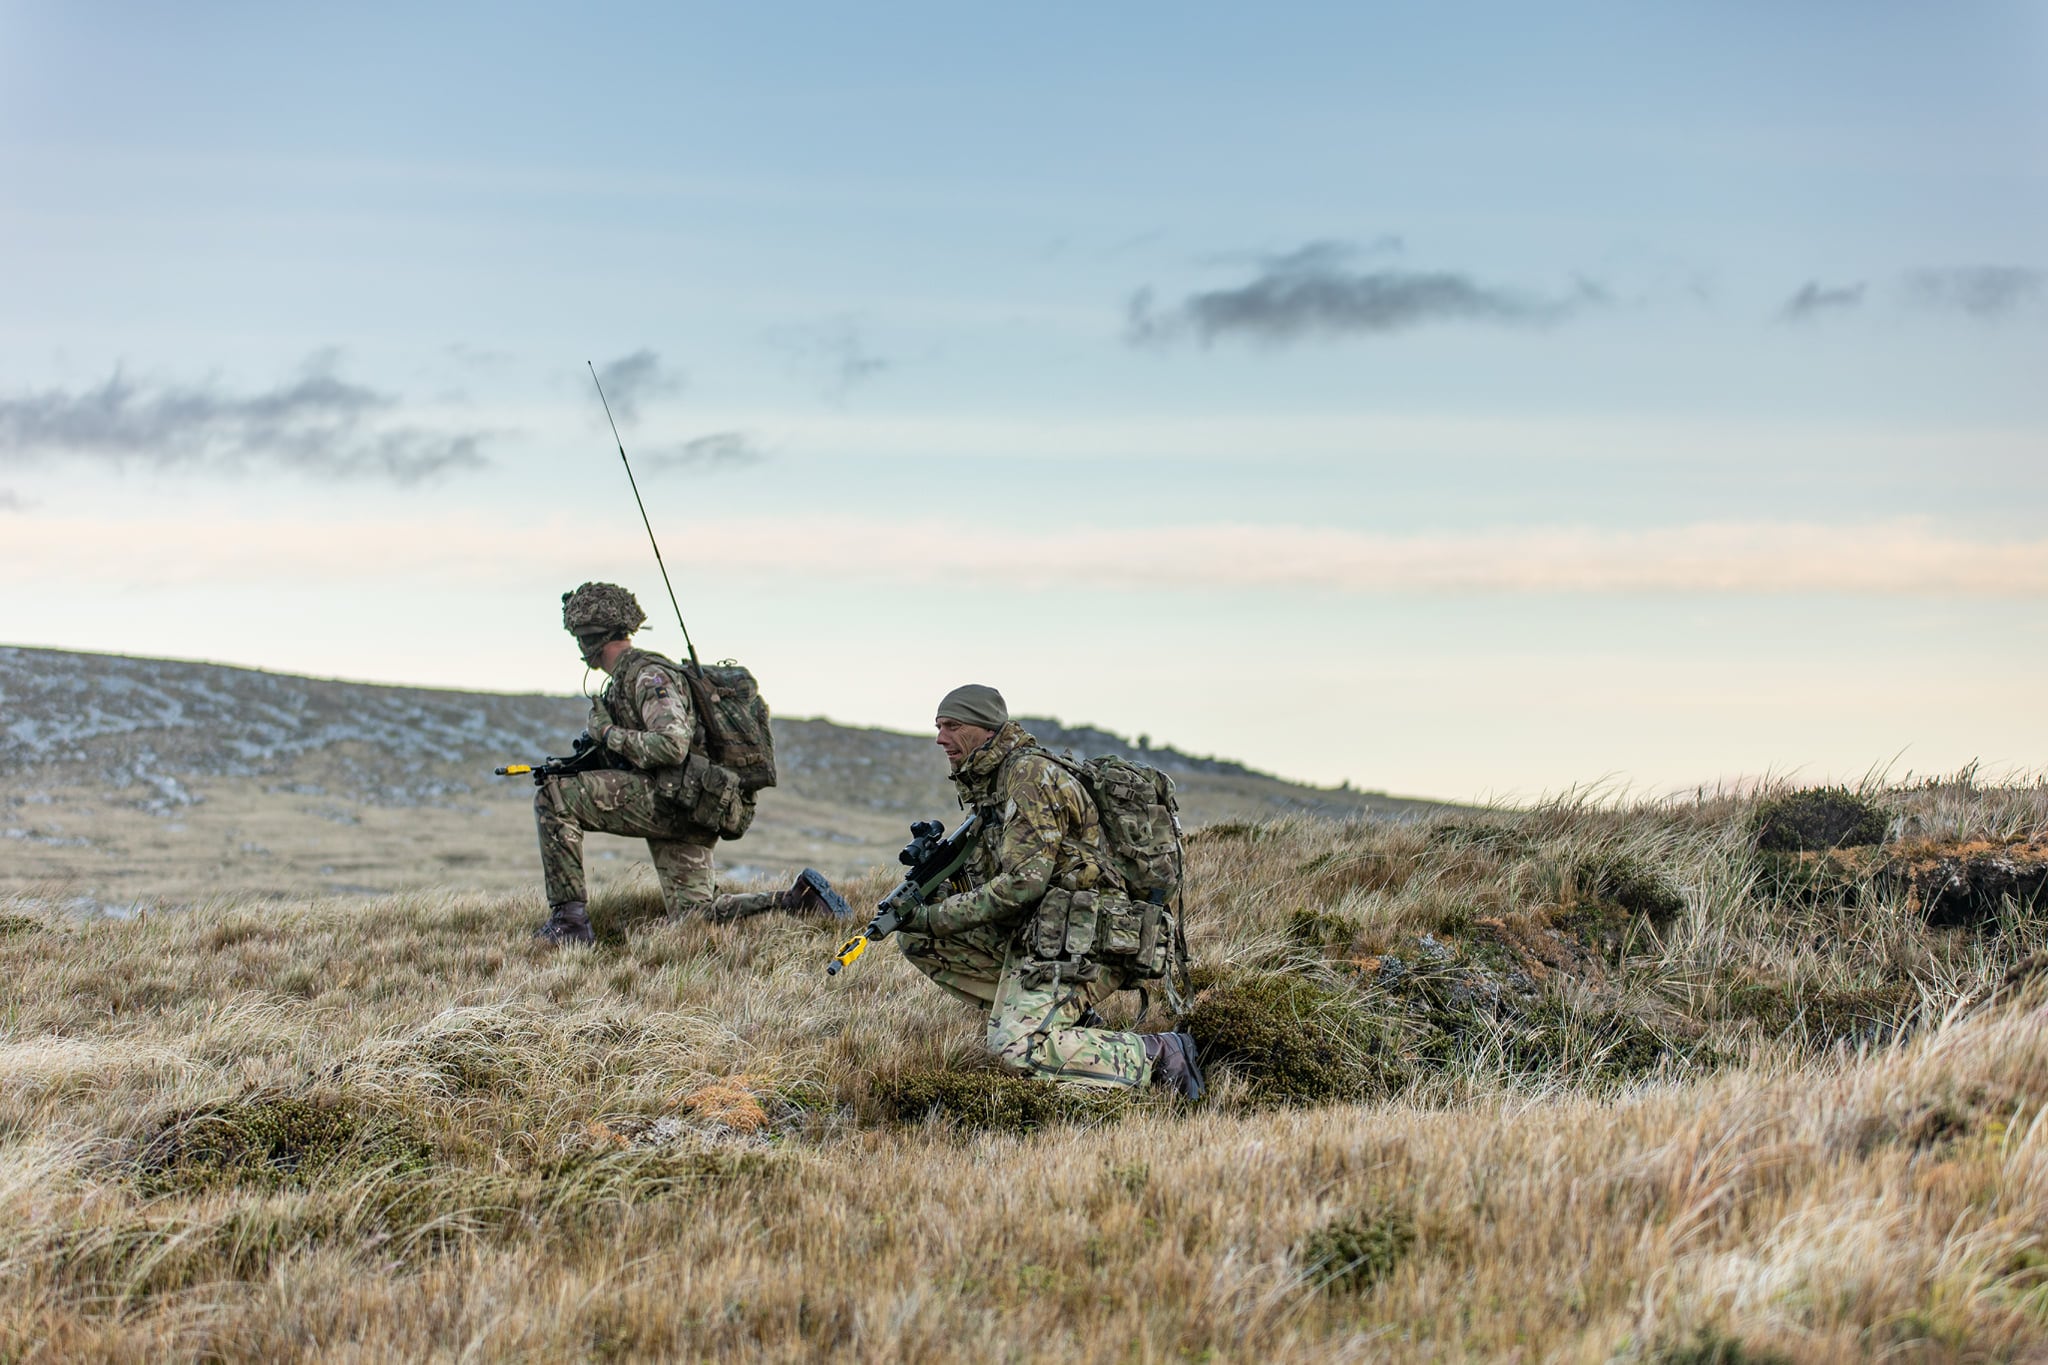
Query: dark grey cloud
[
  {"x": 318, "y": 424},
  {"x": 1815, "y": 299},
  {"x": 719, "y": 450},
  {"x": 1981, "y": 291},
  {"x": 632, "y": 379},
  {"x": 1315, "y": 292}
]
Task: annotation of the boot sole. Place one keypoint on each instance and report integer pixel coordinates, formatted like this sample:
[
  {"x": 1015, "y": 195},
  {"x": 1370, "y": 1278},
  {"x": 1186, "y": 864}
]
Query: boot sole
[{"x": 834, "y": 902}]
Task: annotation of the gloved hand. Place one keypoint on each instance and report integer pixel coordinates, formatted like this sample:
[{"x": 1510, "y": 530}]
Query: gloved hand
[
  {"x": 600, "y": 725},
  {"x": 908, "y": 916}
]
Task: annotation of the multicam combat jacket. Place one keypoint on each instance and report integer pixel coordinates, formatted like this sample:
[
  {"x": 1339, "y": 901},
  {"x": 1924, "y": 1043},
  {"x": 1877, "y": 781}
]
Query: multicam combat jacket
[
  {"x": 1039, "y": 829},
  {"x": 648, "y": 706}
]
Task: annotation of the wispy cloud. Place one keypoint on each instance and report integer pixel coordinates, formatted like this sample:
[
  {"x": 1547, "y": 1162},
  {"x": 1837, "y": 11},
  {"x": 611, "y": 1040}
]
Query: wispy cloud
[
  {"x": 835, "y": 352},
  {"x": 718, "y": 450},
  {"x": 1880, "y": 559},
  {"x": 631, "y": 380},
  {"x": 477, "y": 357},
  {"x": 1815, "y": 299},
  {"x": 318, "y": 424},
  {"x": 1315, "y": 292},
  {"x": 1980, "y": 291},
  {"x": 11, "y": 501}
]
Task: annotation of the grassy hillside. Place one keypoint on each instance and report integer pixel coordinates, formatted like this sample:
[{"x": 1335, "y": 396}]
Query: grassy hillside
[
  {"x": 1675, "y": 1083},
  {"x": 131, "y": 782}
]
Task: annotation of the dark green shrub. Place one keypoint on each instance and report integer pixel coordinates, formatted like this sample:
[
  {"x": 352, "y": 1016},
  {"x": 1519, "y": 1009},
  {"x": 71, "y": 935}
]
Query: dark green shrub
[
  {"x": 1818, "y": 818},
  {"x": 1357, "y": 1251}
]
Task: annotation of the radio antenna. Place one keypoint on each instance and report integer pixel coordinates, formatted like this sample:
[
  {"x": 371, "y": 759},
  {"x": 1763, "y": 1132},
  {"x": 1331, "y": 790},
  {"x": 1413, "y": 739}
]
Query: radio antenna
[{"x": 635, "y": 484}]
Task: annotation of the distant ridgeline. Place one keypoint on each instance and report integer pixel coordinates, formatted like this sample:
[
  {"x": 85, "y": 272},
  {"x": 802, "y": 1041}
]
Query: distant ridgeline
[
  {"x": 155, "y": 724},
  {"x": 1090, "y": 742}
]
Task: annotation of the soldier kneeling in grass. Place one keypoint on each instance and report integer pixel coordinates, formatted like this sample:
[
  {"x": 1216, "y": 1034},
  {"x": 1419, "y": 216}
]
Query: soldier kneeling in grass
[
  {"x": 1040, "y": 926},
  {"x": 659, "y": 775}
]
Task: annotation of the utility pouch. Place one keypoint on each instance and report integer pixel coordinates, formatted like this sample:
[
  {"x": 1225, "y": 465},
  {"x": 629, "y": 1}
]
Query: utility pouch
[
  {"x": 708, "y": 794},
  {"x": 1049, "y": 925},
  {"x": 1123, "y": 927},
  {"x": 1135, "y": 935},
  {"x": 1083, "y": 917}
]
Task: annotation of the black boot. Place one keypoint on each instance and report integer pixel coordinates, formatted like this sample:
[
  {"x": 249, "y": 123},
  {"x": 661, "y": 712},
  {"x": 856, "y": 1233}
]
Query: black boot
[
  {"x": 569, "y": 923},
  {"x": 813, "y": 895},
  {"x": 1174, "y": 1064}
]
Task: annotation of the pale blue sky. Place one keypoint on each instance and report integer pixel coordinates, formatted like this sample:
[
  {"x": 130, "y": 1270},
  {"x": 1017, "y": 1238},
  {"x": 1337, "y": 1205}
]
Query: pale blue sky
[{"x": 1457, "y": 399}]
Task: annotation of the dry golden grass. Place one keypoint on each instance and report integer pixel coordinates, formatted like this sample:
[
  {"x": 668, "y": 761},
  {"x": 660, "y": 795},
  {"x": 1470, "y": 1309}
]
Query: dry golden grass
[{"x": 1735, "y": 1126}]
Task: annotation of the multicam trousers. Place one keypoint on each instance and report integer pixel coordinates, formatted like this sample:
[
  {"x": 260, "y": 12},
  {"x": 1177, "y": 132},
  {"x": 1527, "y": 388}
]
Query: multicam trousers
[
  {"x": 611, "y": 801},
  {"x": 1031, "y": 1029}
]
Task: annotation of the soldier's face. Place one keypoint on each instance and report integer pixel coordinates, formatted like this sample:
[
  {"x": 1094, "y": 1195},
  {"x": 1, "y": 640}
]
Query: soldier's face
[
  {"x": 602, "y": 653},
  {"x": 960, "y": 739}
]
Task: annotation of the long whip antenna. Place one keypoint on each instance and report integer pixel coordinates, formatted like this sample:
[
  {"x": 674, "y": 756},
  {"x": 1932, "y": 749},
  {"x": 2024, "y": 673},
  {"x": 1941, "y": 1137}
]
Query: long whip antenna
[{"x": 635, "y": 483}]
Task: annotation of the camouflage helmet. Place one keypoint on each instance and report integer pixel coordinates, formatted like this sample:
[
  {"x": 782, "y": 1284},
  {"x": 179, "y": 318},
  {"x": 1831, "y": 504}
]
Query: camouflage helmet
[{"x": 600, "y": 607}]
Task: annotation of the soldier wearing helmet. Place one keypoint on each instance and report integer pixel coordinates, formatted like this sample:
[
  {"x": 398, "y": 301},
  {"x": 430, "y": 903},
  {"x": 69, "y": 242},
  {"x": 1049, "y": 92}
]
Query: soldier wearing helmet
[
  {"x": 644, "y": 718},
  {"x": 1042, "y": 832}
]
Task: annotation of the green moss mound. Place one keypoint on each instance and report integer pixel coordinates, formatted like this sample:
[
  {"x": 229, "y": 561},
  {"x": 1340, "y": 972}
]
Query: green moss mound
[
  {"x": 1818, "y": 818},
  {"x": 279, "y": 1140},
  {"x": 993, "y": 1101},
  {"x": 1352, "y": 1253},
  {"x": 1292, "y": 1039}
]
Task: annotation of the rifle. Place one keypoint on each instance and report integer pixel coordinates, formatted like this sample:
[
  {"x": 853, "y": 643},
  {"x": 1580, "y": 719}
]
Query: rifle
[
  {"x": 932, "y": 856},
  {"x": 586, "y": 755}
]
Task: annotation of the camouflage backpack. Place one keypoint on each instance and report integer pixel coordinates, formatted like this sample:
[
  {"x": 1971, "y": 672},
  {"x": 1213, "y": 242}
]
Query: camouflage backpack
[
  {"x": 732, "y": 754},
  {"x": 732, "y": 720},
  {"x": 1135, "y": 927}
]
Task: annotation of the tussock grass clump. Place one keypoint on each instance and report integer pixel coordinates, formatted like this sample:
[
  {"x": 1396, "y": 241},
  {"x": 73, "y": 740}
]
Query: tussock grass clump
[
  {"x": 1632, "y": 883},
  {"x": 1355, "y": 1251},
  {"x": 274, "y": 1140},
  {"x": 1552, "y": 1038},
  {"x": 1710, "y": 1346},
  {"x": 1315, "y": 928},
  {"x": 1820, "y": 1016},
  {"x": 1292, "y": 1039},
  {"x": 993, "y": 1101},
  {"x": 1818, "y": 818}
]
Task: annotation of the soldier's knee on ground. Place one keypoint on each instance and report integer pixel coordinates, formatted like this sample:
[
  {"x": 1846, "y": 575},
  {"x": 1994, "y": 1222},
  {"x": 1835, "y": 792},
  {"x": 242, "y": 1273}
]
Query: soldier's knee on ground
[{"x": 1009, "y": 1042}]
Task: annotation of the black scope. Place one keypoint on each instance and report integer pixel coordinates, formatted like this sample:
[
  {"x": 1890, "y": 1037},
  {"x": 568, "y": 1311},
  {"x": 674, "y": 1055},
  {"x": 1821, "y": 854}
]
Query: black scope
[{"x": 922, "y": 833}]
